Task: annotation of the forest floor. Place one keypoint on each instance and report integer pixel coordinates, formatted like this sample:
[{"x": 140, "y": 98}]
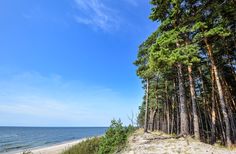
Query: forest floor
[{"x": 160, "y": 143}]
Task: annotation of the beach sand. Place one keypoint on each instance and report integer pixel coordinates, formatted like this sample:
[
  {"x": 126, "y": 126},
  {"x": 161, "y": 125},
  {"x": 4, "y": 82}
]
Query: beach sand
[{"x": 55, "y": 149}]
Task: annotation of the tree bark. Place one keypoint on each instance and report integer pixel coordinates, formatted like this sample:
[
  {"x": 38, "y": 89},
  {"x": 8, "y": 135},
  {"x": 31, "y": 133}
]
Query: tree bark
[
  {"x": 194, "y": 108},
  {"x": 159, "y": 119},
  {"x": 167, "y": 108},
  {"x": 177, "y": 110},
  {"x": 172, "y": 116},
  {"x": 213, "y": 113},
  {"x": 229, "y": 99},
  {"x": 184, "y": 127},
  {"x": 221, "y": 122},
  {"x": 146, "y": 108},
  {"x": 220, "y": 91},
  {"x": 152, "y": 118}
]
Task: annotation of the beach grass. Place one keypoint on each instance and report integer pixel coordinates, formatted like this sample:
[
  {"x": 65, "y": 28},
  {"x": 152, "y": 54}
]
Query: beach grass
[{"x": 88, "y": 146}]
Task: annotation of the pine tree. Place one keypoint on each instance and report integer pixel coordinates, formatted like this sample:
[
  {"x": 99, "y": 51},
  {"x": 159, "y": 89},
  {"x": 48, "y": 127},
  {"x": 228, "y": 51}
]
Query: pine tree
[{"x": 190, "y": 65}]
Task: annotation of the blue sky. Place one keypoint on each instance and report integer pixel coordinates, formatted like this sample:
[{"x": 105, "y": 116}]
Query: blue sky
[{"x": 69, "y": 62}]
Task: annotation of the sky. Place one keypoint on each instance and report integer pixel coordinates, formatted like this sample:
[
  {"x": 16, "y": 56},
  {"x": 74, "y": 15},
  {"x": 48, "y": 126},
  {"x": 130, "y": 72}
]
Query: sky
[{"x": 70, "y": 62}]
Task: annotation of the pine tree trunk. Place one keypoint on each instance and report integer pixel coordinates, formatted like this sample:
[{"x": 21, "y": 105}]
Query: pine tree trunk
[
  {"x": 200, "y": 119},
  {"x": 184, "y": 127},
  {"x": 207, "y": 121},
  {"x": 172, "y": 116},
  {"x": 156, "y": 96},
  {"x": 220, "y": 121},
  {"x": 213, "y": 113},
  {"x": 220, "y": 91},
  {"x": 158, "y": 116},
  {"x": 167, "y": 108},
  {"x": 203, "y": 100},
  {"x": 152, "y": 118},
  {"x": 168, "y": 118},
  {"x": 190, "y": 120},
  {"x": 163, "y": 122},
  {"x": 164, "y": 119},
  {"x": 177, "y": 120},
  {"x": 177, "y": 109},
  {"x": 229, "y": 99},
  {"x": 232, "y": 123},
  {"x": 193, "y": 99},
  {"x": 146, "y": 108}
]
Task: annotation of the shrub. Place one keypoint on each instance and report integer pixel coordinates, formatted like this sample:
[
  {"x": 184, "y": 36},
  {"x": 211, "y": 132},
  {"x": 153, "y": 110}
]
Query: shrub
[
  {"x": 130, "y": 129},
  {"x": 114, "y": 139}
]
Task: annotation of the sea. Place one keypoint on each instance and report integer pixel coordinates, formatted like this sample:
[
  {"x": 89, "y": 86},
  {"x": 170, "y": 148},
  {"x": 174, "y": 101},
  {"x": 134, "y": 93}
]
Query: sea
[{"x": 17, "y": 139}]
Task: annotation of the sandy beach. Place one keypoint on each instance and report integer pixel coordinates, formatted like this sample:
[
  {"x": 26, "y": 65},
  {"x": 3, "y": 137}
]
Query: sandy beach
[{"x": 55, "y": 149}]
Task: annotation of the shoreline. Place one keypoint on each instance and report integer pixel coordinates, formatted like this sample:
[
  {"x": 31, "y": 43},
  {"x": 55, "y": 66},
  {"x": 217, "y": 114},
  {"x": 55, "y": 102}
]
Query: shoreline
[{"x": 56, "y": 148}]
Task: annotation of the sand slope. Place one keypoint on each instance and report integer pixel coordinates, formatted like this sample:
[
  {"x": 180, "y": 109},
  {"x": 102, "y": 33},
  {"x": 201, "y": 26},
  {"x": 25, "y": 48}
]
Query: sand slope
[{"x": 144, "y": 143}]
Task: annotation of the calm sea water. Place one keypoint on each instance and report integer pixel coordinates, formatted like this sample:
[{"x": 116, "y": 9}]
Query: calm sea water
[{"x": 14, "y": 139}]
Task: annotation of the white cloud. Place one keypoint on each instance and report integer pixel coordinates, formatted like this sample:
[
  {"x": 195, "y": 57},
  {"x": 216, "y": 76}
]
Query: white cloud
[
  {"x": 30, "y": 98},
  {"x": 95, "y": 13}
]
